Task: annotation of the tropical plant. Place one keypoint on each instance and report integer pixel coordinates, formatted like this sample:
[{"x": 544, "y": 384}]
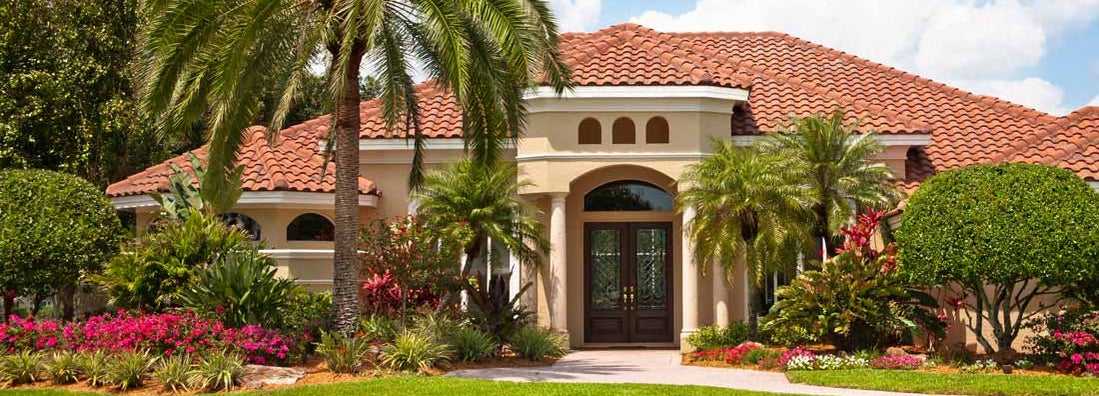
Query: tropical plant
[
  {"x": 858, "y": 299},
  {"x": 63, "y": 367},
  {"x": 306, "y": 315},
  {"x": 154, "y": 274},
  {"x": 377, "y": 327},
  {"x": 536, "y": 344},
  {"x": 129, "y": 369},
  {"x": 717, "y": 337},
  {"x": 469, "y": 344},
  {"x": 962, "y": 230},
  {"x": 22, "y": 367},
  {"x": 748, "y": 208},
  {"x": 343, "y": 354},
  {"x": 493, "y": 313},
  {"x": 185, "y": 195},
  {"x": 218, "y": 371},
  {"x": 94, "y": 366},
  {"x": 436, "y": 324},
  {"x": 413, "y": 350},
  {"x": 403, "y": 262},
  {"x": 241, "y": 288},
  {"x": 835, "y": 162},
  {"x": 54, "y": 229},
  {"x": 175, "y": 372},
  {"x": 198, "y": 55}
]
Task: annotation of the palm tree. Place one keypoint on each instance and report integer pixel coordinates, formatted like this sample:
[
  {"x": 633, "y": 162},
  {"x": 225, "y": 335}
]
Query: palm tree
[
  {"x": 213, "y": 56},
  {"x": 747, "y": 205},
  {"x": 835, "y": 162},
  {"x": 472, "y": 203}
]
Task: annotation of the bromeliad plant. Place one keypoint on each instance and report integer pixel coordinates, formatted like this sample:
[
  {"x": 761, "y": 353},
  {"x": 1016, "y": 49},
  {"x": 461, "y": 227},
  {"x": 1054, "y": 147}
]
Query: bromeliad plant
[
  {"x": 858, "y": 300},
  {"x": 241, "y": 288}
]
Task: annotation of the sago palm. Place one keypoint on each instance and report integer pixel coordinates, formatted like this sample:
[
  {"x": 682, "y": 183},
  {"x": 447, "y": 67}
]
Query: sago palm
[
  {"x": 211, "y": 58},
  {"x": 475, "y": 202},
  {"x": 747, "y": 204},
  {"x": 835, "y": 162}
]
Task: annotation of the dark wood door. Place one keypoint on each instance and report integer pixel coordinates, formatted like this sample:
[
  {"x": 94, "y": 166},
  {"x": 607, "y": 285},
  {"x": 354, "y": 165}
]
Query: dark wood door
[{"x": 628, "y": 282}]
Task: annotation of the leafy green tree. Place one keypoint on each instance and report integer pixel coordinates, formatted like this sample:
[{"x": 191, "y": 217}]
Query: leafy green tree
[
  {"x": 836, "y": 163},
  {"x": 1004, "y": 238},
  {"x": 54, "y": 229},
  {"x": 747, "y": 204},
  {"x": 200, "y": 55}
]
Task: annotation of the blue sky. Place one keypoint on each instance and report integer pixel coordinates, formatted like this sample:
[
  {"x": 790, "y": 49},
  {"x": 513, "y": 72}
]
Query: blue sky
[{"x": 1043, "y": 54}]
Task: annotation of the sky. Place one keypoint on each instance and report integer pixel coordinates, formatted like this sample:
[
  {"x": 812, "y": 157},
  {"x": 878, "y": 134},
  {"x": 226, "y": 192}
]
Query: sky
[{"x": 1039, "y": 53}]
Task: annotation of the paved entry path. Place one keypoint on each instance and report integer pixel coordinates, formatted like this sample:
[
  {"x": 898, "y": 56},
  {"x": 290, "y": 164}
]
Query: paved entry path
[{"x": 654, "y": 367}]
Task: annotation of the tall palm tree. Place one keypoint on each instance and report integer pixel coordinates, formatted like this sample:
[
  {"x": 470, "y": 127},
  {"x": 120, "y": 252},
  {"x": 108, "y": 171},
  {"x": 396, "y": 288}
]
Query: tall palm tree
[
  {"x": 747, "y": 204},
  {"x": 473, "y": 203},
  {"x": 213, "y": 56},
  {"x": 835, "y": 162}
]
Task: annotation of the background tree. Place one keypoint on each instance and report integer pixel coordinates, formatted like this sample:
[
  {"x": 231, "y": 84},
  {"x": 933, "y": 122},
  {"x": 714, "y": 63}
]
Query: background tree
[
  {"x": 836, "y": 163},
  {"x": 747, "y": 206},
  {"x": 54, "y": 228},
  {"x": 200, "y": 55},
  {"x": 1002, "y": 237}
]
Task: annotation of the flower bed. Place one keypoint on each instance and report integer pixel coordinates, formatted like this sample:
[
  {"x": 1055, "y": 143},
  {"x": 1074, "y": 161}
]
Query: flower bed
[
  {"x": 1071, "y": 339},
  {"x": 897, "y": 363},
  {"x": 162, "y": 334}
]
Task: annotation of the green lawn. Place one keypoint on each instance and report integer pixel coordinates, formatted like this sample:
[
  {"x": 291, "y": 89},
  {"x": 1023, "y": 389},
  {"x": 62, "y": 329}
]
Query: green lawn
[
  {"x": 955, "y": 384},
  {"x": 441, "y": 386}
]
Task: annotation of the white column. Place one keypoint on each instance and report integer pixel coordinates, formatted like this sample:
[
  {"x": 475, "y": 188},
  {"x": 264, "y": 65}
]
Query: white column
[
  {"x": 721, "y": 295},
  {"x": 557, "y": 261},
  {"x": 514, "y": 279},
  {"x": 690, "y": 283}
]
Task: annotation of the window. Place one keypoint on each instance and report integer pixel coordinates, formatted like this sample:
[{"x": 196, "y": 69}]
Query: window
[
  {"x": 310, "y": 227},
  {"x": 627, "y": 195},
  {"x": 622, "y": 132},
  {"x": 589, "y": 132},
  {"x": 656, "y": 130},
  {"x": 242, "y": 221}
]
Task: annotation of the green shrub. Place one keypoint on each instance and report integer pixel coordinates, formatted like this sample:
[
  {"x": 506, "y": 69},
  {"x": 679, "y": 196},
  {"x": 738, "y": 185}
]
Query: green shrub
[
  {"x": 716, "y": 337},
  {"x": 379, "y": 327},
  {"x": 175, "y": 373},
  {"x": 128, "y": 370},
  {"x": 152, "y": 275},
  {"x": 95, "y": 367},
  {"x": 985, "y": 229},
  {"x": 436, "y": 324},
  {"x": 857, "y": 300},
  {"x": 413, "y": 350},
  {"x": 495, "y": 314},
  {"x": 63, "y": 368},
  {"x": 470, "y": 344},
  {"x": 22, "y": 367},
  {"x": 306, "y": 312},
  {"x": 536, "y": 344},
  {"x": 54, "y": 227},
  {"x": 758, "y": 355},
  {"x": 342, "y": 354},
  {"x": 241, "y": 288},
  {"x": 218, "y": 371}
]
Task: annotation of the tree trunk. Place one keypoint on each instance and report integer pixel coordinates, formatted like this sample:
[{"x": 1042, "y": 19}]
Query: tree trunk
[
  {"x": 822, "y": 231},
  {"x": 67, "y": 295},
  {"x": 755, "y": 304},
  {"x": 345, "y": 309},
  {"x": 9, "y": 304}
]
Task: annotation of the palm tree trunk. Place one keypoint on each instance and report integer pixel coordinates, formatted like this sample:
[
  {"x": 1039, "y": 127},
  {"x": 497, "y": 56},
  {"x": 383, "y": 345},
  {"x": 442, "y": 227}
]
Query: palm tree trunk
[
  {"x": 345, "y": 308},
  {"x": 822, "y": 230}
]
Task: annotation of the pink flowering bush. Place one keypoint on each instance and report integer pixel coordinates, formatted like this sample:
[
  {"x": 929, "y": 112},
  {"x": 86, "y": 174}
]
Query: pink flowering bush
[
  {"x": 1068, "y": 339},
  {"x": 904, "y": 362},
  {"x": 734, "y": 355},
  {"x": 166, "y": 334}
]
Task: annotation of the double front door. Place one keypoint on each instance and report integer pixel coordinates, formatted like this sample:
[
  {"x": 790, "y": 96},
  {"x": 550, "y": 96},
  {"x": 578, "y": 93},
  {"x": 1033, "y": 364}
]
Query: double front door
[{"x": 628, "y": 282}]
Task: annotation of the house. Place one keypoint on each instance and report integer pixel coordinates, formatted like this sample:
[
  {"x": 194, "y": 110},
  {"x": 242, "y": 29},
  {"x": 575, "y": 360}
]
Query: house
[{"x": 645, "y": 106}]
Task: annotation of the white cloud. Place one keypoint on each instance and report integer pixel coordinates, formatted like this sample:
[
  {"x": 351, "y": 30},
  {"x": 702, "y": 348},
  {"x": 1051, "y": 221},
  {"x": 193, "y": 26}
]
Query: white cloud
[
  {"x": 576, "y": 15},
  {"x": 1094, "y": 101},
  {"x": 984, "y": 46}
]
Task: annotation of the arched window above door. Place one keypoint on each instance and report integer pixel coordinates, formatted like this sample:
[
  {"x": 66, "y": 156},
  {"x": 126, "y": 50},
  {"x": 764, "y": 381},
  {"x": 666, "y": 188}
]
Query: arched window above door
[
  {"x": 589, "y": 132},
  {"x": 310, "y": 227},
  {"x": 627, "y": 195}
]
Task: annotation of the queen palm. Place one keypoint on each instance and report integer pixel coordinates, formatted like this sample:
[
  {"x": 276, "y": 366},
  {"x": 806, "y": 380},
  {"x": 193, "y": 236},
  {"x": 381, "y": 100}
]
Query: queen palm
[
  {"x": 212, "y": 57},
  {"x": 746, "y": 205},
  {"x": 835, "y": 163},
  {"x": 473, "y": 203}
]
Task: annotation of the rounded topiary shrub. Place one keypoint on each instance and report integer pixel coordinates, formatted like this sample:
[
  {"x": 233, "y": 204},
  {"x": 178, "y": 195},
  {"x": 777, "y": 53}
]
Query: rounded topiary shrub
[
  {"x": 53, "y": 228},
  {"x": 1022, "y": 230}
]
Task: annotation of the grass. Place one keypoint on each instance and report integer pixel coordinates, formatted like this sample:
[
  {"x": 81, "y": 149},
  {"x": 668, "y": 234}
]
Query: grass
[
  {"x": 442, "y": 386},
  {"x": 955, "y": 384}
]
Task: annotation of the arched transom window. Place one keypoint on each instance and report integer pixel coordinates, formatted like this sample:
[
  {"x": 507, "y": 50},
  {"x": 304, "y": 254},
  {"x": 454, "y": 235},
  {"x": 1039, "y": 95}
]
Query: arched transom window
[
  {"x": 242, "y": 221},
  {"x": 627, "y": 195},
  {"x": 310, "y": 227}
]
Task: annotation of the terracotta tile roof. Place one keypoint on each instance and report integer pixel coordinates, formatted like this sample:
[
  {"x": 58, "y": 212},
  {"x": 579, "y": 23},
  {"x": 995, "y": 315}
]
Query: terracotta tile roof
[
  {"x": 292, "y": 164},
  {"x": 1072, "y": 142}
]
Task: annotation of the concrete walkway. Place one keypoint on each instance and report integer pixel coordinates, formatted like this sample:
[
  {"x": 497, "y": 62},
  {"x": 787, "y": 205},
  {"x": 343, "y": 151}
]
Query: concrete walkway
[{"x": 654, "y": 367}]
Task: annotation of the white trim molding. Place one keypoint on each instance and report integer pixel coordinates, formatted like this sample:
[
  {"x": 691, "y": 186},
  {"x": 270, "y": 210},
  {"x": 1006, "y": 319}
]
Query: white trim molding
[
  {"x": 640, "y": 91},
  {"x": 912, "y": 139},
  {"x": 663, "y": 99},
  {"x": 282, "y": 199},
  {"x": 306, "y": 254},
  {"x": 611, "y": 156}
]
